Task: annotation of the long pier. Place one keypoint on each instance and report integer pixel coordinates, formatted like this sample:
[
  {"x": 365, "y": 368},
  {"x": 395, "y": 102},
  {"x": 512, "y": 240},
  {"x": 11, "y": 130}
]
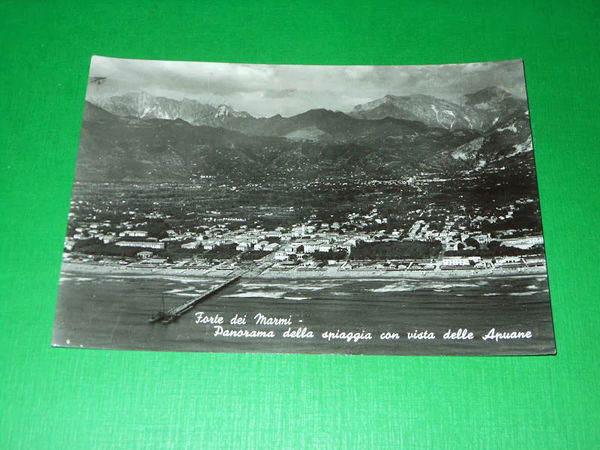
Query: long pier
[{"x": 177, "y": 311}]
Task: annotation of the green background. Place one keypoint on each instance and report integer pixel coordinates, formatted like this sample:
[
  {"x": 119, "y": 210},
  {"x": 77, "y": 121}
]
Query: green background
[{"x": 62, "y": 398}]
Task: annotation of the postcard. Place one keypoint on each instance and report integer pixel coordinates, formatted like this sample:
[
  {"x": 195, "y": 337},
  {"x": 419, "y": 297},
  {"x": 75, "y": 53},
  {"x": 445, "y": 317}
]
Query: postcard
[{"x": 386, "y": 210}]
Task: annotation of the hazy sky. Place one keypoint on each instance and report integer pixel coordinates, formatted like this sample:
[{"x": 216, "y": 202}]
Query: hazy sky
[{"x": 265, "y": 90}]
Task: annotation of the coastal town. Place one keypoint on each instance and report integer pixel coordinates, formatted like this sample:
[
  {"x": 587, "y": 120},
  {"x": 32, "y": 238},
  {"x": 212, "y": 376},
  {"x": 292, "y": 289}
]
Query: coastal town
[{"x": 370, "y": 242}]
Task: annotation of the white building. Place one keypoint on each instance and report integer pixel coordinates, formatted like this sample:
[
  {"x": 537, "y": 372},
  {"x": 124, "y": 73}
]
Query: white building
[
  {"x": 482, "y": 238},
  {"x": 134, "y": 233},
  {"x": 455, "y": 261},
  {"x": 242, "y": 246},
  {"x": 293, "y": 248},
  {"x": 191, "y": 245},
  {"x": 280, "y": 256},
  {"x": 108, "y": 238},
  {"x": 260, "y": 245},
  {"x": 524, "y": 242},
  {"x": 141, "y": 244},
  {"x": 325, "y": 248},
  {"x": 69, "y": 243},
  {"x": 316, "y": 246},
  {"x": 452, "y": 246}
]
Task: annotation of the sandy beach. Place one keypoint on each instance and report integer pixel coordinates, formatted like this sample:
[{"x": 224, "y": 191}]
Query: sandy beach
[{"x": 325, "y": 272}]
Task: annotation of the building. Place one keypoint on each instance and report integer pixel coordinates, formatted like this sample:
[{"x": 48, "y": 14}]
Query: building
[
  {"x": 294, "y": 247},
  {"x": 524, "y": 242},
  {"x": 452, "y": 246},
  {"x": 134, "y": 233},
  {"x": 141, "y": 244},
  {"x": 271, "y": 247},
  {"x": 455, "y": 261},
  {"x": 243, "y": 246},
  {"x": 510, "y": 261},
  {"x": 191, "y": 245},
  {"x": 324, "y": 247},
  {"x": 482, "y": 238},
  {"x": 280, "y": 256},
  {"x": 108, "y": 238},
  {"x": 313, "y": 246},
  {"x": 260, "y": 245},
  {"x": 69, "y": 243}
]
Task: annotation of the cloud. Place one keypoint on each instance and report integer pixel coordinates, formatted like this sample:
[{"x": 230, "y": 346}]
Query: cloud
[{"x": 281, "y": 93}]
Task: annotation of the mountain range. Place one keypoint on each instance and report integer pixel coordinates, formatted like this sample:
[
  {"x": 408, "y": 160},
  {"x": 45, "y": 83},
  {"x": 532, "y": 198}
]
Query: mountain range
[
  {"x": 477, "y": 111},
  {"x": 142, "y": 137}
]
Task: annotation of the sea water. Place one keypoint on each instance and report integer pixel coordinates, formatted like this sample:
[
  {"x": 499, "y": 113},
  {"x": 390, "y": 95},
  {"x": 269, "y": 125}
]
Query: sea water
[{"x": 100, "y": 311}]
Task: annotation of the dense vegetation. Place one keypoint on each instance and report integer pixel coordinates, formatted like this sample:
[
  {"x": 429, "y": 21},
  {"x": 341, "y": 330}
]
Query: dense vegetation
[{"x": 396, "y": 250}]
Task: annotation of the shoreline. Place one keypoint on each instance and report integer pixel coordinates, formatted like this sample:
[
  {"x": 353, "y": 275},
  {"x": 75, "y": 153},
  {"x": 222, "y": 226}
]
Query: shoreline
[
  {"x": 402, "y": 275},
  {"x": 329, "y": 273}
]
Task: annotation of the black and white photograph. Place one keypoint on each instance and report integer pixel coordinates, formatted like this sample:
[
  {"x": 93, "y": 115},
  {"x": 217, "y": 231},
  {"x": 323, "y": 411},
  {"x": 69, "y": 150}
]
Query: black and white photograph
[{"x": 383, "y": 210}]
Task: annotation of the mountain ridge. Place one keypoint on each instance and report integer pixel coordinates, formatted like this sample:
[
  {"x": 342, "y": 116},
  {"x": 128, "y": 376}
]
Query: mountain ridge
[
  {"x": 120, "y": 148},
  {"x": 479, "y": 111},
  {"x": 143, "y": 105}
]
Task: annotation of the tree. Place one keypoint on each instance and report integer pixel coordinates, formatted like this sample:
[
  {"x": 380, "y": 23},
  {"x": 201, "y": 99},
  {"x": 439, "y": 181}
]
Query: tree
[
  {"x": 494, "y": 245},
  {"x": 158, "y": 228},
  {"x": 472, "y": 242}
]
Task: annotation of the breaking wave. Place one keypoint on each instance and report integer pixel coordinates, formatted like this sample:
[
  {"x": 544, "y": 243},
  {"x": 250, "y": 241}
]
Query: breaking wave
[
  {"x": 261, "y": 294},
  {"x": 414, "y": 286}
]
